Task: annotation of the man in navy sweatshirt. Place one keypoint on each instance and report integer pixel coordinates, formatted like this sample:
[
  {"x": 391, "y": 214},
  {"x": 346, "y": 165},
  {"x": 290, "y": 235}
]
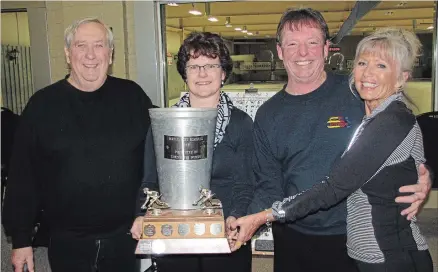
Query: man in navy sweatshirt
[{"x": 298, "y": 134}]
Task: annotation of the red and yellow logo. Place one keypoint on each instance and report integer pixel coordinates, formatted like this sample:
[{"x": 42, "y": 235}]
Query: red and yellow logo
[{"x": 338, "y": 122}]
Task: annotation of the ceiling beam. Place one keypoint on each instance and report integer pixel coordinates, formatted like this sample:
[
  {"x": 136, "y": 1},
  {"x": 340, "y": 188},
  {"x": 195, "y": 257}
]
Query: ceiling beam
[{"x": 280, "y": 13}]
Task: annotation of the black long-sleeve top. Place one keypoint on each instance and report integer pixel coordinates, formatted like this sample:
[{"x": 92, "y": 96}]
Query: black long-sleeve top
[
  {"x": 232, "y": 178},
  {"x": 384, "y": 155},
  {"x": 79, "y": 156}
]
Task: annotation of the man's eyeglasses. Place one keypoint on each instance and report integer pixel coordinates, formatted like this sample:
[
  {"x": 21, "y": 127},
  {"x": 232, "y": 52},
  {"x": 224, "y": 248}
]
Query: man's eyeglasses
[{"x": 194, "y": 69}]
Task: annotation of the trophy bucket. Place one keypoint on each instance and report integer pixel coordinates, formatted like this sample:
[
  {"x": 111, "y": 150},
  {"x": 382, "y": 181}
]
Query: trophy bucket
[{"x": 183, "y": 142}]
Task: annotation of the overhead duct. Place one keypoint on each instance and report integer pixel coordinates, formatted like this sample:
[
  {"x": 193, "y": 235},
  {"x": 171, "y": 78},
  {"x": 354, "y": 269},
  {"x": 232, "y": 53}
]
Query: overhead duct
[{"x": 360, "y": 9}]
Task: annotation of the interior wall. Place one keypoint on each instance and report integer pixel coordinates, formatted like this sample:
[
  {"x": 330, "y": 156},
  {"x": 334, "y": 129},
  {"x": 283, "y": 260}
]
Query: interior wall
[
  {"x": 15, "y": 28},
  {"x": 36, "y": 13},
  {"x": 175, "y": 84}
]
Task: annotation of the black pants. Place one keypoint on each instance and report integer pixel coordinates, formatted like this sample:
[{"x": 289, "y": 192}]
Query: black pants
[
  {"x": 115, "y": 254},
  {"x": 401, "y": 261},
  {"x": 239, "y": 261},
  {"x": 298, "y": 252}
]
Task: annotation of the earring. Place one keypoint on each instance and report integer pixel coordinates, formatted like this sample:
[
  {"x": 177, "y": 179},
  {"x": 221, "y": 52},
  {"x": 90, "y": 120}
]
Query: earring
[{"x": 222, "y": 83}]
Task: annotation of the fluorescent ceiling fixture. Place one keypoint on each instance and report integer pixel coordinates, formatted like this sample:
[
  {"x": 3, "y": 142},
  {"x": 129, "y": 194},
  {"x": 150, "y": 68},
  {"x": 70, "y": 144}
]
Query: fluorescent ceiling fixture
[
  {"x": 228, "y": 25},
  {"x": 244, "y": 29},
  {"x": 173, "y": 4},
  {"x": 212, "y": 19},
  {"x": 402, "y": 4},
  {"x": 194, "y": 11},
  {"x": 237, "y": 29},
  {"x": 430, "y": 27},
  {"x": 250, "y": 33}
]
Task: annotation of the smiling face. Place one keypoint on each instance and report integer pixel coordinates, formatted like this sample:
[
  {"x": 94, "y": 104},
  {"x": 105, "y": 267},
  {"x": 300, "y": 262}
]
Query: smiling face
[
  {"x": 376, "y": 78},
  {"x": 89, "y": 57},
  {"x": 303, "y": 52},
  {"x": 204, "y": 82}
]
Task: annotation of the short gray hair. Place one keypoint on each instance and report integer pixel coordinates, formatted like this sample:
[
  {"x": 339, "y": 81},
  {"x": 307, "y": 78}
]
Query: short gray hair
[
  {"x": 70, "y": 31},
  {"x": 399, "y": 45}
]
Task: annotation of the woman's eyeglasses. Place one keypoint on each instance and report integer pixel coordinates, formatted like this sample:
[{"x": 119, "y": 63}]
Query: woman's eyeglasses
[{"x": 193, "y": 69}]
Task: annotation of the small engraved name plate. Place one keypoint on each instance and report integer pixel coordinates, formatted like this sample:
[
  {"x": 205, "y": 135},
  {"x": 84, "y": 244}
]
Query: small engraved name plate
[
  {"x": 166, "y": 230},
  {"x": 215, "y": 229},
  {"x": 149, "y": 230},
  {"x": 183, "y": 229},
  {"x": 199, "y": 228}
]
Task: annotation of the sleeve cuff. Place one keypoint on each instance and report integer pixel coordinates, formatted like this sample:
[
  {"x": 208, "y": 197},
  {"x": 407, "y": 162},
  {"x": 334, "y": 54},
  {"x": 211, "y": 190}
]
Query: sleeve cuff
[
  {"x": 278, "y": 212},
  {"x": 236, "y": 214},
  {"x": 21, "y": 240}
]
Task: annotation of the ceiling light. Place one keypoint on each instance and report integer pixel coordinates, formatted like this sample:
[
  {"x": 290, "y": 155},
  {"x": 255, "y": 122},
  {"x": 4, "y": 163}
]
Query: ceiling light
[
  {"x": 402, "y": 4},
  {"x": 250, "y": 33},
  {"x": 194, "y": 11},
  {"x": 430, "y": 27},
  {"x": 237, "y": 29},
  {"x": 244, "y": 29},
  {"x": 267, "y": 36},
  {"x": 208, "y": 13},
  {"x": 173, "y": 4},
  {"x": 228, "y": 22}
]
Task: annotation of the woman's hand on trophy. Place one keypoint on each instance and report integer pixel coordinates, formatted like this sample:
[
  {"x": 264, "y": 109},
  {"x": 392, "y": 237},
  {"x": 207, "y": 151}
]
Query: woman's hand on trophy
[{"x": 136, "y": 228}]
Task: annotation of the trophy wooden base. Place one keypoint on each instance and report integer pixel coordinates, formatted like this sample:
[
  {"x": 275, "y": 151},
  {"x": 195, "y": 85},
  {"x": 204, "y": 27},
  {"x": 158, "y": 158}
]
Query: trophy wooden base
[
  {"x": 182, "y": 246},
  {"x": 183, "y": 232}
]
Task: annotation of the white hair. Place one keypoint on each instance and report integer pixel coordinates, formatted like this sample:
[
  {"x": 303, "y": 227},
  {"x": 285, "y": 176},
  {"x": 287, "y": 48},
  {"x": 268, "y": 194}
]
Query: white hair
[{"x": 70, "y": 31}]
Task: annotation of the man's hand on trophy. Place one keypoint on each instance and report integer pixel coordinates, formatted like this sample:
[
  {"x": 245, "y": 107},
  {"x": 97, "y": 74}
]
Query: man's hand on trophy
[
  {"x": 136, "y": 228},
  {"x": 231, "y": 234}
]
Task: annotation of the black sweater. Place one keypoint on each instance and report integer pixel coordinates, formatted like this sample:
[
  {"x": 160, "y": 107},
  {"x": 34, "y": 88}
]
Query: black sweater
[
  {"x": 232, "y": 177},
  {"x": 297, "y": 139},
  {"x": 79, "y": 156}
]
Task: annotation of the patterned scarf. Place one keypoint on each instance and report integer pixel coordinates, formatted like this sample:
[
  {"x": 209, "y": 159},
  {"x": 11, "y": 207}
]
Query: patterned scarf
[{"x": 223, "y": 114}]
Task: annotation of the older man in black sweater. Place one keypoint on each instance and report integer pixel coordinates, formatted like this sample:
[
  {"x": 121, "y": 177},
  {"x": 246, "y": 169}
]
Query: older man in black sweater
[{"x": 79, "y": 154}]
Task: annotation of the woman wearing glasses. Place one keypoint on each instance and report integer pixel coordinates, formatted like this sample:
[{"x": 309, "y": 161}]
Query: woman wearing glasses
[{"x": 204, "y": 63}]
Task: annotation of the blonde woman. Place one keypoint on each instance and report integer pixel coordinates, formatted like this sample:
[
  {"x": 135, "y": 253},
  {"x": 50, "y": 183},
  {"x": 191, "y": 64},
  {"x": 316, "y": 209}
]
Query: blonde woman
[{"x": 384, "y": 154}]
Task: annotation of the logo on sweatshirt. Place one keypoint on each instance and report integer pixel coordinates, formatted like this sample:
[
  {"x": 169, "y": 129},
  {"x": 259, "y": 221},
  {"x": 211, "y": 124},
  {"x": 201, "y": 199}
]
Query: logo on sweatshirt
[{"x": 338, "y": 122}]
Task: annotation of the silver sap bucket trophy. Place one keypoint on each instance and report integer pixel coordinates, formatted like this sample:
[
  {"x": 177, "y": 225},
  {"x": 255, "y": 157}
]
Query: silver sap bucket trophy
[
  {"x": 184, "y": 217},
  {"x": 183, "y": 141}
]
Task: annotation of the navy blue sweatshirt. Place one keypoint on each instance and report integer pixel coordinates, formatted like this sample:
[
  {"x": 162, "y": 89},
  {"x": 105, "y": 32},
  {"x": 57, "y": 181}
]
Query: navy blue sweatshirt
[
  {"x": 296, "y": 141},
  {"x": 232, "y": 178},
  {"x": 79, "y": 156}
]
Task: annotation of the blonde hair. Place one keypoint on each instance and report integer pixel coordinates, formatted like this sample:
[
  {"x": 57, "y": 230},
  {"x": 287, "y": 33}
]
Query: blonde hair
[
  {"x": 398, "y": 45},
  {"x": 70, "y": 31}
]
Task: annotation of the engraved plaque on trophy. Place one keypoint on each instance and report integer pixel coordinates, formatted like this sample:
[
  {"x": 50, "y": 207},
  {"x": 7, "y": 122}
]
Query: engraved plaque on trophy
[{"x": 184, "y": 217}]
